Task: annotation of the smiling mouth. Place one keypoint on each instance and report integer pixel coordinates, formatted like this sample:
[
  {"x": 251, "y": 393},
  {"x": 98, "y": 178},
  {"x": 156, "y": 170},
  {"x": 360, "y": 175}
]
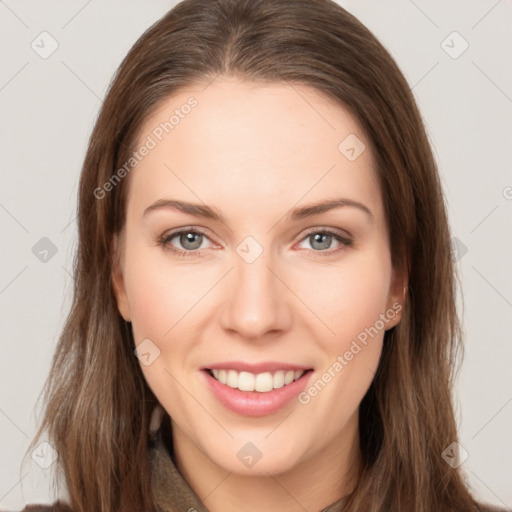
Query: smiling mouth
[{"x": 261, "y": 382}]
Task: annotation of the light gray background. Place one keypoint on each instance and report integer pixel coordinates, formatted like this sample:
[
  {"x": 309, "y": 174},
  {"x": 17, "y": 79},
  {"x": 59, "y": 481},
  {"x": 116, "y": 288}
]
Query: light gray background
[{"x": 48, "y": 107}]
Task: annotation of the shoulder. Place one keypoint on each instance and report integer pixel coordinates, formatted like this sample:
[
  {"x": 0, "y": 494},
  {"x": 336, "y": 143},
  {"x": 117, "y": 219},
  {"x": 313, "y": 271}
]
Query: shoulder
[{"x": 58, "y": 506}]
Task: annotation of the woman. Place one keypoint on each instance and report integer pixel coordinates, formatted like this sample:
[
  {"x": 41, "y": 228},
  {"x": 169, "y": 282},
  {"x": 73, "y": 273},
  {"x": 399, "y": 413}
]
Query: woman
[{"x": 264, "y": 309}]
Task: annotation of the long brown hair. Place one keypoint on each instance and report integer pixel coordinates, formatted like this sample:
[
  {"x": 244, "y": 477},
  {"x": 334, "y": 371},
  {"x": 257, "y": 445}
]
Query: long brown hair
[{"x": 98, "y": 403}]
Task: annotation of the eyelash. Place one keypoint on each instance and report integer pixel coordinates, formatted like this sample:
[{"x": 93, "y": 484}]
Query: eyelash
[{"x": 165, "y": 239}]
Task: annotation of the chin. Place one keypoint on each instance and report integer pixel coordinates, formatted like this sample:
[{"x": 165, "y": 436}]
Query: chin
[{"x": 257, "y": 457}]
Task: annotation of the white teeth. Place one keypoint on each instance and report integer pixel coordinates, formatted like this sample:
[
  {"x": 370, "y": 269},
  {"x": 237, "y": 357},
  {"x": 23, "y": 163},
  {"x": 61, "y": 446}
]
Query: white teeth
[
  {"x": 290, "y": 375},
  {"x": 262, "y": 382},
  {"x": 278, "y": 380},
  {"x": 232, "y": 380},
  {"x": 246, "y": 381}
]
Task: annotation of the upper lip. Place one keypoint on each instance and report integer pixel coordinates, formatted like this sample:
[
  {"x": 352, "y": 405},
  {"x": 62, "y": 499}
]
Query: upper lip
[{"x": 264, "y": 366}]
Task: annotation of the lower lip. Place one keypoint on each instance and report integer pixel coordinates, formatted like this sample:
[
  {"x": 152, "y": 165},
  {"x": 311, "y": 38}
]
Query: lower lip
[{"x": 254, "y": 403}]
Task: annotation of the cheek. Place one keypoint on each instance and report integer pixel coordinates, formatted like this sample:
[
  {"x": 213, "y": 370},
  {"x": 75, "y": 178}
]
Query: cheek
[
  {"x": 161, "y": 299},
  {"x": 353, "y": 304},
  {"x": 350, "y": 298},
  {"x": 160, "y": 295}
]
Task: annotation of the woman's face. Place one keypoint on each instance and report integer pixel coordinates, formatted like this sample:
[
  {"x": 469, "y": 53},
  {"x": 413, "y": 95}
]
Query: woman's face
[{"x": 255, "y": 269}]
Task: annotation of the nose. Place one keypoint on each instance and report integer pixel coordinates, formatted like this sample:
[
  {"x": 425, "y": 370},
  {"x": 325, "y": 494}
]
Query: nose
[{"x": 257, "y": 302}]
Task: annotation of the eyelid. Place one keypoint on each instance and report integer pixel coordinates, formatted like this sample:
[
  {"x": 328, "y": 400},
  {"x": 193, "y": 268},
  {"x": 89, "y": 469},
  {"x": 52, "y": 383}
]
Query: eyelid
[
  {"x": 345, "y": 235},
  {"x": 192, "y": 229}
]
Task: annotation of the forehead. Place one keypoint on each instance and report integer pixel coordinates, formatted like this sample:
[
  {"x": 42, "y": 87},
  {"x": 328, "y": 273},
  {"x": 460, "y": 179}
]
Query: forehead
[{"x": 236, "y": 143}]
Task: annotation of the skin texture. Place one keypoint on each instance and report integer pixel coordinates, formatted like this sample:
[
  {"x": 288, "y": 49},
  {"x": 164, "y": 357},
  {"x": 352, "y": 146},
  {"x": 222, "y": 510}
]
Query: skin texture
[{"x": 254, "y": 152}]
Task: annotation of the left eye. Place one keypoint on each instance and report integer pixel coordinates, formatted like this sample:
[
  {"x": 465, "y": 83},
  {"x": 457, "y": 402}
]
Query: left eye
[{"x": 321, "y": 241}]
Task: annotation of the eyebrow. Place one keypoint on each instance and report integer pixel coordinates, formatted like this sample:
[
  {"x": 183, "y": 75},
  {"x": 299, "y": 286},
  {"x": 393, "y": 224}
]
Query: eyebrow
[
  {"x": 207, "y": 212},
  {"x": 197, "y": 210},
  {"x": 324, "y": 206}
]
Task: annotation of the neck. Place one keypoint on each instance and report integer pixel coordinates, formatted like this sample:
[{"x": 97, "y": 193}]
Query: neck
[{"x": 313, "y": 484}]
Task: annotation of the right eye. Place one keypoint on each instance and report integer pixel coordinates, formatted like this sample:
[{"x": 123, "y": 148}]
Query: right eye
[{"x": 184, "y": 242}]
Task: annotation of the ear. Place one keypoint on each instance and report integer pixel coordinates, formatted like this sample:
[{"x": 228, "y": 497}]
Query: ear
[
  {"x": 118, "y": 278},
  {"x": 397, "y": 295}
]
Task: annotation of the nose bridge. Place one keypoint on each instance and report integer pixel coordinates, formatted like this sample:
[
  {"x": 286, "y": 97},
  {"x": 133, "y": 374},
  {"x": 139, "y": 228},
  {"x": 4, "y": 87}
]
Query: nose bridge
[{"x": 256, "y": 303}]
